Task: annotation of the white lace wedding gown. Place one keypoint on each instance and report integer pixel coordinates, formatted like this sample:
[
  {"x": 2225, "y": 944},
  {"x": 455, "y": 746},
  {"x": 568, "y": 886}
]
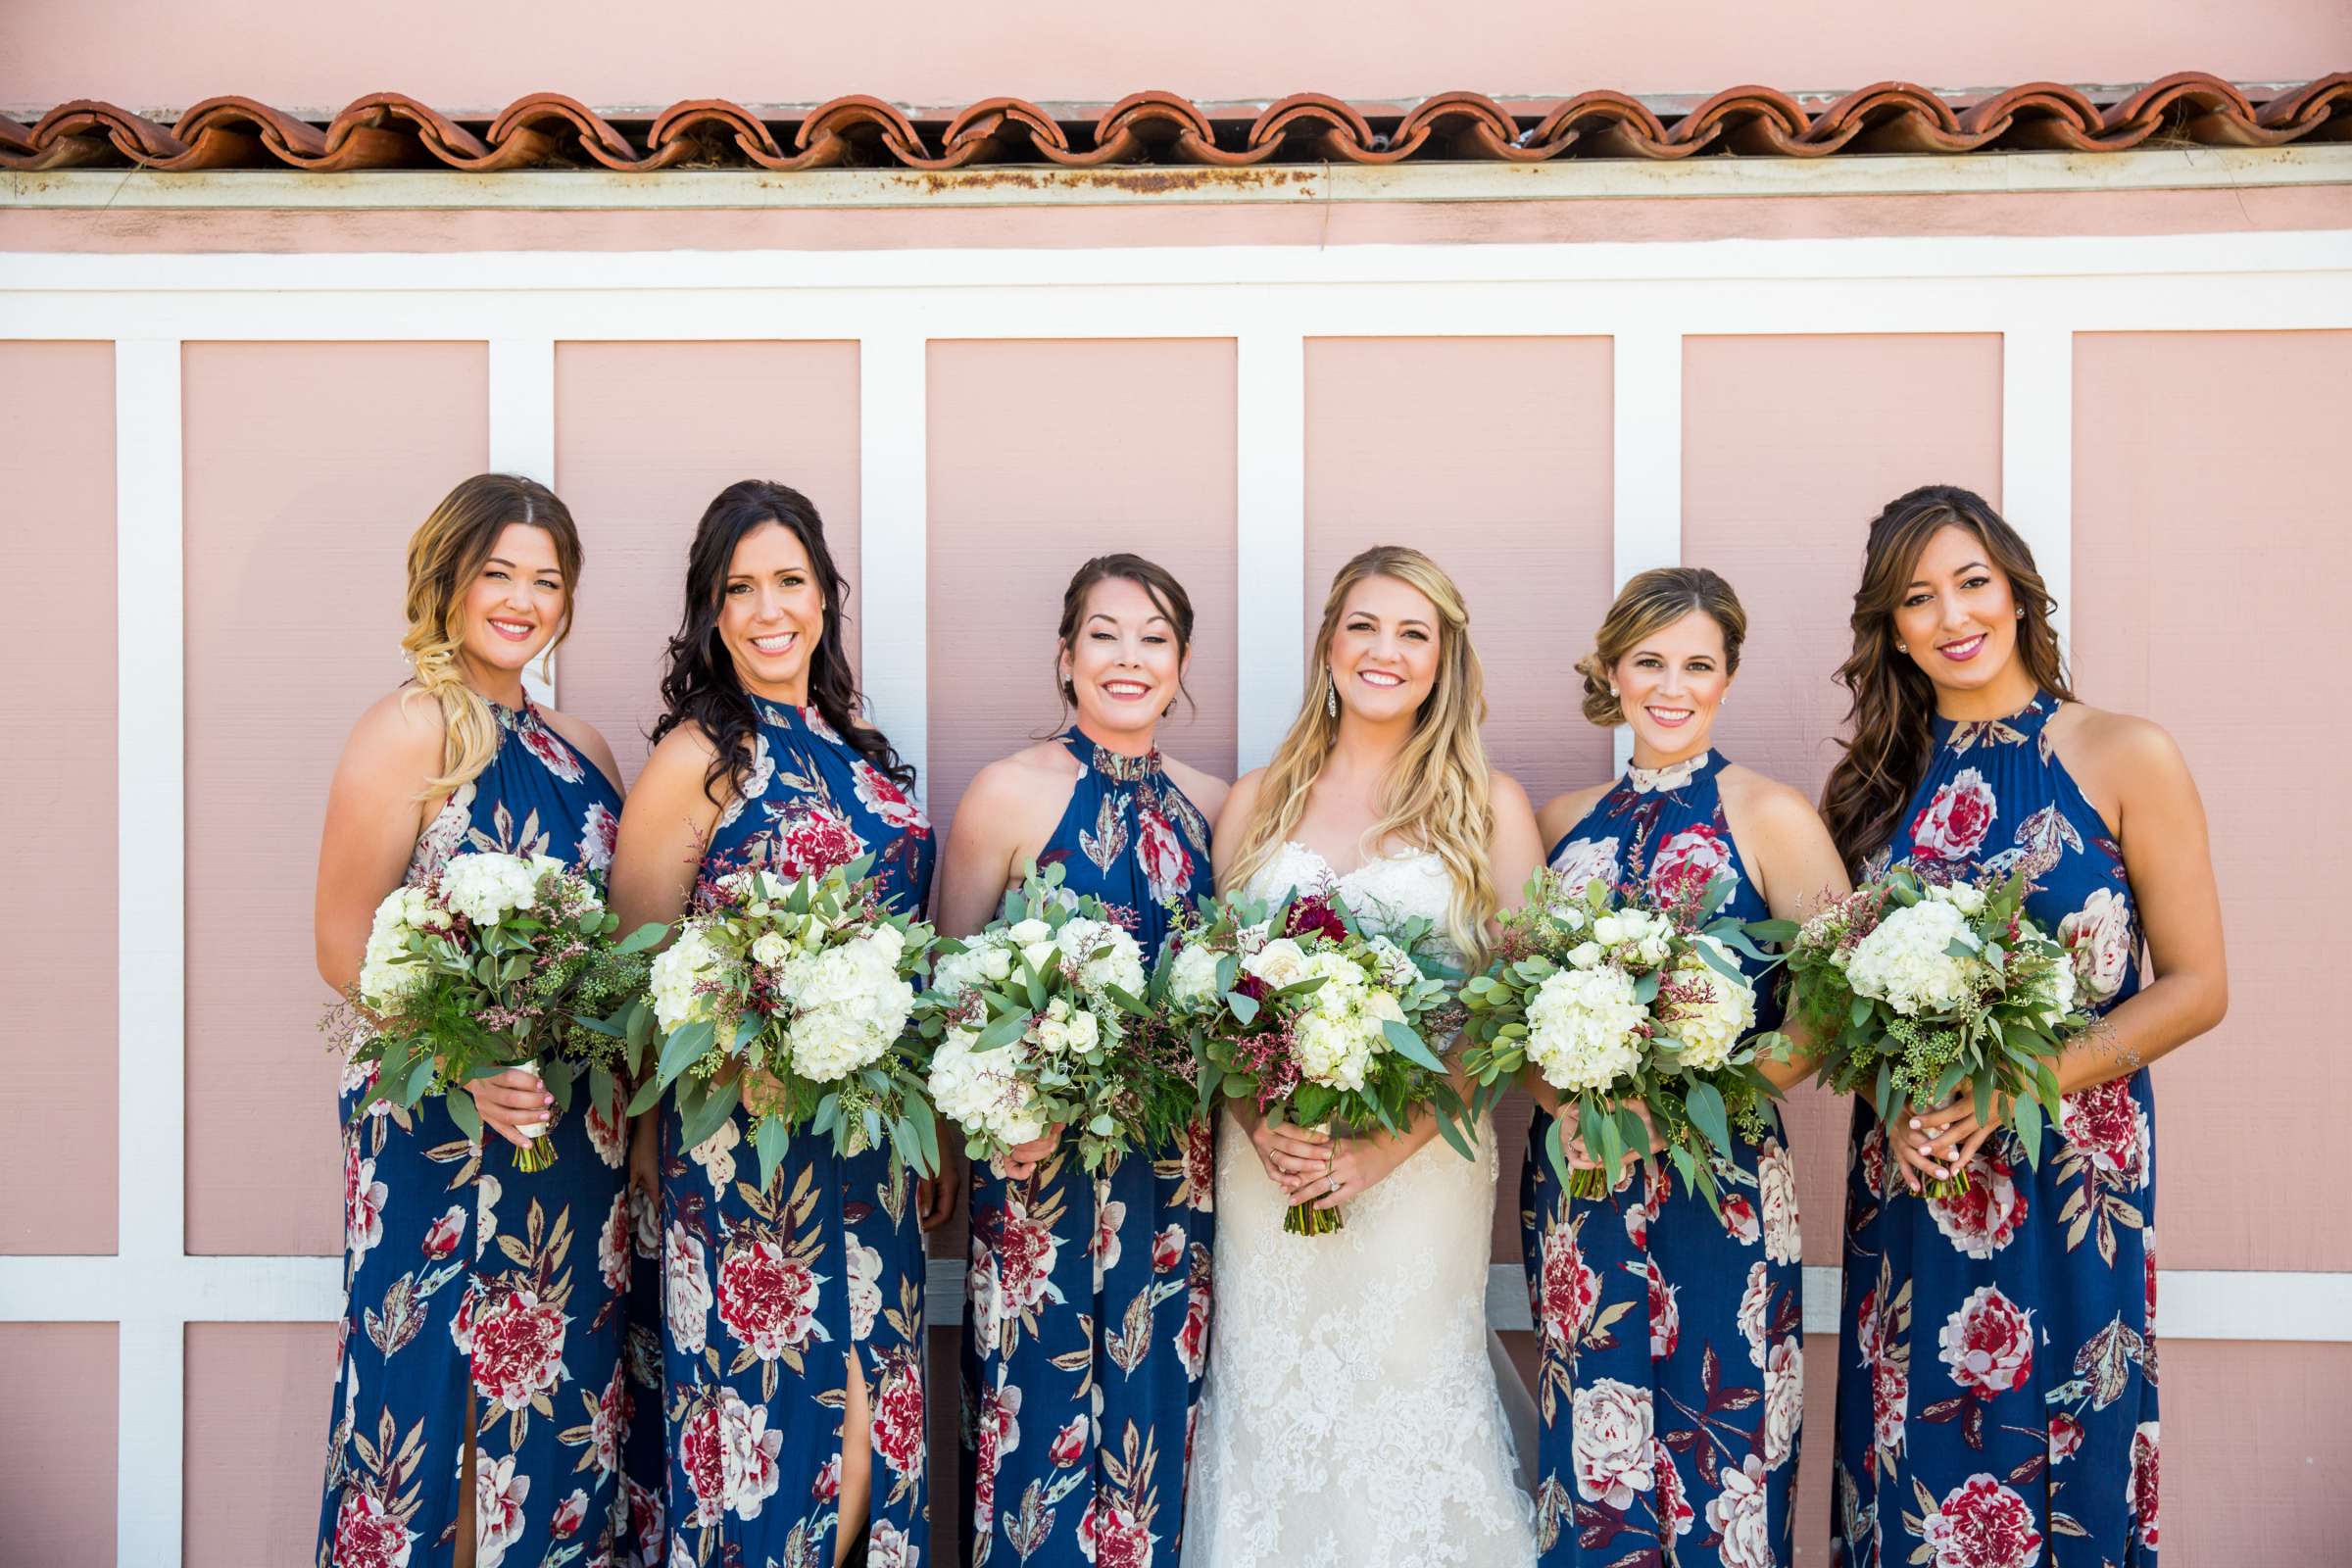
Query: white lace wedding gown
[{"x": 1351, "y": 1417}]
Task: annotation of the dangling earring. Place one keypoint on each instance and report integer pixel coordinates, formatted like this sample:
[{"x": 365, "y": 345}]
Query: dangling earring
[
  {"x": 1069, "y": 694},
  {"x": 1331, "y": 696}
]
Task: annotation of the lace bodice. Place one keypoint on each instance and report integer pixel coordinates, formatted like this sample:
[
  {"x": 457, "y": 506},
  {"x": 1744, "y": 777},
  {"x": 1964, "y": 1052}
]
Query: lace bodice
[{"x": 1353, "y": 1417}]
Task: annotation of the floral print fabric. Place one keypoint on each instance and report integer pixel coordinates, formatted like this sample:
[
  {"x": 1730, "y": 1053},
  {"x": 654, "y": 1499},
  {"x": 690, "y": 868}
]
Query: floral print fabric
[
  {"x": 1672, "y": 1379},
  {"x": 1087, "y": 1323},
  {"x": 473, "y": 1283},
  {"x": 763, "y": 1293},
  {"x": 1997, "y": 1406}
]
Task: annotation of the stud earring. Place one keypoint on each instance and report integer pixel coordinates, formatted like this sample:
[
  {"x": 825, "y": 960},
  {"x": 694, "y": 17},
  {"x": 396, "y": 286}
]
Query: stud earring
[
  {"x": 1331, "y": 697},
  {"x": 1902, "y": 647},
  {"x": 2021, "y": 612}
]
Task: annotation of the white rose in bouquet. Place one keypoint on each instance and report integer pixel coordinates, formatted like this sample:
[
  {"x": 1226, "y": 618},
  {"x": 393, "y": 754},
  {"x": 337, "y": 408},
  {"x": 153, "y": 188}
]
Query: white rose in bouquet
[
  {"x": 1065, "y": 1029},
  {"x": 1280, "y": 962},
  {"x": 1581, "y": 1028},
  {"x": 772, "y": 951},
  {"x": 981, "y": 1090},
  {"x": 1905, "y": 963},
  {"x": 1966, "y": 897},
  {"x": 1396, "y": 966},
  {"x": 1026, "y": 932}
]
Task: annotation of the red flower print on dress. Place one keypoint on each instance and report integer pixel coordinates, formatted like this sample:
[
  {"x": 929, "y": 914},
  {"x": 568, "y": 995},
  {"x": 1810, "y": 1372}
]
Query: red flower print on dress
[
  {"x": 2147, "y": 1263},
  {"x": 2108, "y": 1127},
  {"x": 1611, "y": 1425},
  {"x": 889, "y": 1546},
  {"x": 1683, "y": 866},
  {"x": 1982, "y": 1524},
  {"x": 368, "y": 1536},
  {"x": 442, "y": 1237},
  {"x": 1168, "y": 865},
  {"x": 2098, "y": 937},
  {"x": 1639, "y": 1213},
  {"x": 615, "y": 1251},
  {"x": 1109, "y": 1215},
  {"x": 898, "y": 1422},
  {"x": 362, "y": 1202},
  {"x": 1675, "y": 1514},
  {"x": 814, "y": 717},
  {"x": 1112, "y": 1536},
  {"x": 1665, "y": 1316},
  {"x": 2140, "y": 1492},
  {"x": 1989, "y": 1342},
  {"x": 1069, "y": 1444},
  {"x": 607, "y": 1134},
  {"x": 1199, "y": 1142},
  {"x": 812, "y": 839},
  {"x": 541, "y": 742},
  {"x": 766, "y": 1299},
  {"x": 1741, "y": 1513},
  {"x": 1586, "y": 862},
  {"x": 1192, "y": 1340},
  {"x": 516, "y": 1342},
  {"x": 569, "y": 1515},
  {"x": 1167, "y": 1248},
  {"x": 1984, "y": 1216},
  {"x": 686, "y": 1288},
  {"x": 1024, "y": 1253},
  {"x": 1889, "y": 1380},
  {"x": 827, "y": 1485},
  {"x": 600, "y": 835},
  {"x": 1874, "y": 1161},
  {"x": 499, "y": 1497},
  {"x": 2065, "y": 1437},
  {"x": 882, "y": 796},
  {"x": 996, "y": 1432},
  {"x": 729, "y": 1458},
  {"x": 1568, "y": 1290},
  {"x": 1953, "y": 824},
  {"x": 647, "y": 1526},
  {"x": 1740, "y": 1220},
  {"x": 614, "y": 1409}
]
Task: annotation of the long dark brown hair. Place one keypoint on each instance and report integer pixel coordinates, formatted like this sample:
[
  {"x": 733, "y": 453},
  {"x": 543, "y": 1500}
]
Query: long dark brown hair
[
  {"x": 1158, "y": 584},
  {"x": 698, "y": 682},
  {"x": 1893, "y": 701}
]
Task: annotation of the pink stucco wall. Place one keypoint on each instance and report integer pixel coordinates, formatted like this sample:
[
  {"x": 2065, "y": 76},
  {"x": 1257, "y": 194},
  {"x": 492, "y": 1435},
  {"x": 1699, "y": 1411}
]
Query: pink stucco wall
[
  {"x": 57, "y": 1448},
  {"x": 307, "y": 465},
  {"x": 57, "y": 785},
  {"x": 724, "y": 412},
  {"x": 610, "y": 53}
]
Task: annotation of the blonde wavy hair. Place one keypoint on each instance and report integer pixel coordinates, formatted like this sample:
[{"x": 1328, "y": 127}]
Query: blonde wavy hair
[
  {"x": 1437, "y": 796},
  {"x": 446, "y": 554}
]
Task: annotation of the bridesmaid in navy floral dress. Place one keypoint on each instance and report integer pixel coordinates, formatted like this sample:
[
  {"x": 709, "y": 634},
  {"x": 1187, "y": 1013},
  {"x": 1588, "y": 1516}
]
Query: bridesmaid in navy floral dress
[
  {"x": 1997, "y": 1403},
  {"x": 474, "y": 1285},
  {"x": 1086, "y": 1319},
  {"x": 792, "y": 1318},
  {"x": 1672, "y": 1379}
]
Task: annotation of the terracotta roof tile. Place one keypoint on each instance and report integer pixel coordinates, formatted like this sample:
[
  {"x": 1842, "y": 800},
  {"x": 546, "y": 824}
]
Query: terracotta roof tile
[{"x": 389, "y": 130}]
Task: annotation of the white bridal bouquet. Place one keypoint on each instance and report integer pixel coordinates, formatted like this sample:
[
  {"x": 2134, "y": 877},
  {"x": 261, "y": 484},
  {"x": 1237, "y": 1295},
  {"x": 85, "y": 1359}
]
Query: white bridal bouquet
[
  {"x": 495, "y": 962},
  {"x": 795, "y": 997}
]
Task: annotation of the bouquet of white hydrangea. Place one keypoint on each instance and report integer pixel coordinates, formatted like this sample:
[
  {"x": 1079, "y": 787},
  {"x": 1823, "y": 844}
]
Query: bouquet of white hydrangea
[
  {"x": 1910, "y": 986},
  {"x": 1041, "y": 1024},
  {"x": 496, "y": 961},
  {"x": 1294, "y": 1007},
  {"x": 1616, "y": 1002},
  {"x": 796, "y": 998}
]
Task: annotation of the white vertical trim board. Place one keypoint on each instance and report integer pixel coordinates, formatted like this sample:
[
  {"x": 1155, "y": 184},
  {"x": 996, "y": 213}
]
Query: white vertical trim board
[
  {"x": 1270, "y": 539},
  {"x": 150, "y": 914},
  {"x": 522, "y": 440},
  {"x": 1645, "y": 464},
  {"x": 2037, "y": 451},
  {"x": 894, "y": 540}
]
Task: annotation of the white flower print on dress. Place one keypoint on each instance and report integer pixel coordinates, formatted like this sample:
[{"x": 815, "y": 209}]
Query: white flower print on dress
[
  {"x": 1585, "y": 862},
  {"x": 1982, "y": 1524},
  {"x": 1683, "y": 866},
  {"x": 486, "y": 1194},
  {"x": 754, "y": 784},
  {"x": 729, "y": 1456},
  {"x": 1612, "y": 1435},
  {"x": 686, "y": 1288},
  {"x": 1987, "y": 1342},
  {"x": 362, "y": 1202},
  {"x": 1741, "y": 1512},
  {"x": 865, "y": 1268},
  {"x": 1783, "y": 1400},
  {"x": 1775, "y": 1189},
  {"x": 600, "y": 832},
  {"x": 1984, "y": 1217},
  {"x": 716, "y": 1155},
  {"x": 2098, "y": 936},
  {"x": 498, "y": 1500},
  {"x": 1755, "y": 1304}
]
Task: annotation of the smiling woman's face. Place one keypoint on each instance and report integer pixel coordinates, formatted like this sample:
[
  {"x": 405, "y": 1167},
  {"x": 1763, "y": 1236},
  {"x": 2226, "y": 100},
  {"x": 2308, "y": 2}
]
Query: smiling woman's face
[
  {"x": 771, "y": 614},
  {"x": 1671, "y": 682},
  {"x": 1957, "y": 617},
  {"x": 1122, "y": 665},
  {"x": 516, "y": 602},
  {"x": 1384, "y": 652}
]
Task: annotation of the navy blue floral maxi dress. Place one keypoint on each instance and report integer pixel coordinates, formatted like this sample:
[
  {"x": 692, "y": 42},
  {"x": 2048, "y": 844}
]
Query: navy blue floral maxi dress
[
  {"x": 465, "y": 1274},
  {"x": 1996, "y": 1402},
  {"x": 1673, "y": 1372},
  {"x": 765, "y": 1293},
  {"x": 1086, "y": 1321}
]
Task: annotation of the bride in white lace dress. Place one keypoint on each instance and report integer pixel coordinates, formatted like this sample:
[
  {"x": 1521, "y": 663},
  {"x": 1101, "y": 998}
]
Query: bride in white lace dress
[{"x": 1353, "y": 1416}]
